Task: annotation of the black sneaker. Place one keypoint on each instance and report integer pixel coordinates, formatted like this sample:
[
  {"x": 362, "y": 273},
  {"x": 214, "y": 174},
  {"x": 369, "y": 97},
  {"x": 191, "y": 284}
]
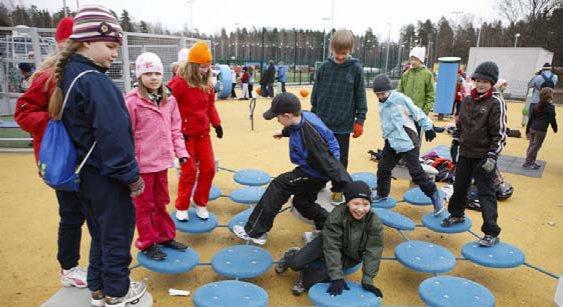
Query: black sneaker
[
  {"x": 488, "y": 241},
  {"x": 154, "y": 252},
  {"x": 452, "y": 220},
  {"x": 283, "y": 265},
  {"x": 298, "y": 288},
  {"x": 173, "y": 244}
]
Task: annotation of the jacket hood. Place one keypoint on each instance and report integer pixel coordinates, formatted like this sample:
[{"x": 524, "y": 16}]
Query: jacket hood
[{"x": 349, "y": 62}]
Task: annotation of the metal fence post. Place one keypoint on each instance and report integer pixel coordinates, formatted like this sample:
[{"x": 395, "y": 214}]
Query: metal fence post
[
  {"x": 125, "y": 65},
  {"x": 35, "y": 46}
]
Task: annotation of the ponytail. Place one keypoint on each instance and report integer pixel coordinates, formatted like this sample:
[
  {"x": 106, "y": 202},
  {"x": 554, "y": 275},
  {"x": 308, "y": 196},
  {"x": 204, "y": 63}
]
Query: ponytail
[{"x": 56, "y": 100}]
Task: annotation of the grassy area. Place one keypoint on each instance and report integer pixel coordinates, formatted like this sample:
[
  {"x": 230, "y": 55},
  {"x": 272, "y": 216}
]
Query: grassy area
[{"x": 13, "y": 133}]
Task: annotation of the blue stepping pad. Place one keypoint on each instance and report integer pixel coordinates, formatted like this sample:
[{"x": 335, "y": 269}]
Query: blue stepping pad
[
  {"x": 367, "y": 177},
  {"x": 435, "y": 223},
  {"x": 252, "y": 177},
  {"x": 232, "y": 293},
  {"x": 195, "y": 224},
  {"x": 446, "y": 291},
  {"x": 247, "y": 195},
  {"x": 501, "y": 255},
  {"x": 176, "y": 262},
  {"x": 241, "y": 261},
  {"x": 240, "y": 219},
  {"x": 425, "y": 257},
  {"x": 355, "y": 297},
  {"x": 415, "y": 196},
  {"x": 214, "y": 193},
  {"x": 394, "y": 219},
  {"x": 389, "y": 203}
]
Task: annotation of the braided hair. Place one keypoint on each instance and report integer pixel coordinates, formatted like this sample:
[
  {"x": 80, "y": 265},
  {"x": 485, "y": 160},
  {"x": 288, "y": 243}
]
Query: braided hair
[{"x": 56, "y": 100}]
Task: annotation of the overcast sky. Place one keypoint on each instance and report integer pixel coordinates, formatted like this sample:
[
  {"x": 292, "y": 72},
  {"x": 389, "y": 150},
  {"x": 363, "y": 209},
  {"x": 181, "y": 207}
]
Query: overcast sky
[{"x": 209, "y": 16}]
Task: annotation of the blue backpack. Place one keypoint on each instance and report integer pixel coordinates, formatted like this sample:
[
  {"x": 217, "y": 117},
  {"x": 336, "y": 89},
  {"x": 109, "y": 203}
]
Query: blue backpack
[{"x": 57, "y": 156}]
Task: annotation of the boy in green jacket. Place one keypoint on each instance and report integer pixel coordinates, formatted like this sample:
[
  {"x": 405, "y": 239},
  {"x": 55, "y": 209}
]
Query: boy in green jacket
[
  {"x": 351, "y": 234},
  {"x": 418, "y": 82}
]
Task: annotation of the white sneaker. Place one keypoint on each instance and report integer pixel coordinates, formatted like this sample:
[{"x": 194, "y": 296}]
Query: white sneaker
[
  {"x": 75, "y": 277},
  {"x": 201, "y": 212},
  {"x": 136, "y": 291},
  {"x": 241, "y": 233},
  {"x": 182, "y": 215},
  {"x": 98, "y": 299}
]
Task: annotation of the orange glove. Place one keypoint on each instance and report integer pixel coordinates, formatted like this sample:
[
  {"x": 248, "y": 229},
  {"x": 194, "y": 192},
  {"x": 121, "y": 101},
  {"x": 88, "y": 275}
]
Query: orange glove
[{"x": 358, "y": 130}]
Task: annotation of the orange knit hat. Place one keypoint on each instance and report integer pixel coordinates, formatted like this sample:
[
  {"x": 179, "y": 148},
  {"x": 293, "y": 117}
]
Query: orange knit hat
[{"x": 200, "y": 53}]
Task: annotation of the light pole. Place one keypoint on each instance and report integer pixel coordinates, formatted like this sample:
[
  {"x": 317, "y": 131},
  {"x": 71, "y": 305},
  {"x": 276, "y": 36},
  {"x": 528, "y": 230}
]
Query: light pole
[
  {"x": 388, "y": 44},
  {"x": 325, "y": 19},
  {"x": 516, "y": 36},
  {"x": 191, "y": 9},
  {"x": 236, "y": 39}
]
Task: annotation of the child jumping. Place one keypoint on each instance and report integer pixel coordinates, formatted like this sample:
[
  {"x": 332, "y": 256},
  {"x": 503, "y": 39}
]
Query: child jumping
[
  {"x": 351, "y": 234},
  {"x": 481, "y": 135},
  {"x": 95, "y": 114},
  {"x": 314, "y": 149},
  {"x": 156, "y": 125},
  {"x": 196, "y": 102},
  {"x": 399, "y": 116}
]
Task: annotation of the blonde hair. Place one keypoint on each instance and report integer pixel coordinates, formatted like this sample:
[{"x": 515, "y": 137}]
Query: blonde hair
[
  {"x": 47, "y": 65},
  {"x": 342, "y": 40},
  {"x": 144, "y": 91},
  {"x": 56, "y": 100},
  {"x": 190, "y": 72}
]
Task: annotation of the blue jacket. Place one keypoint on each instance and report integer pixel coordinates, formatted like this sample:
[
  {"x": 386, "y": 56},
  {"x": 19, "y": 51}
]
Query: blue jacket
[
  {"x": 537, "y": 82},
  {"x": 397, "y": 112},
  {"x": 95, "y": 111},
  {"x": 299, "y": 151},
  {"x": 281, "y": 73}
]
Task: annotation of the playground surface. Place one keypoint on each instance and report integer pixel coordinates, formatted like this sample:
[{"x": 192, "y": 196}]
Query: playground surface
[{"x": 532, "y": 220}]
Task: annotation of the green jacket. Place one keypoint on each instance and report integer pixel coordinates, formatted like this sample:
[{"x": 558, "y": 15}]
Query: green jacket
[
  {"x": 347, "y": 242},
  {"x": 418, "y": 84}
]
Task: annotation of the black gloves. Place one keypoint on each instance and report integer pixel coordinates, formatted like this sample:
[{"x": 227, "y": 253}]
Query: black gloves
[
  {"x": 373, "y": 289},
  {"x": 454, "y": 150},
  {"x": 430, "y": 135},
  {"x": 219, "y": 131},
  {"x": 336, "y": 287}
]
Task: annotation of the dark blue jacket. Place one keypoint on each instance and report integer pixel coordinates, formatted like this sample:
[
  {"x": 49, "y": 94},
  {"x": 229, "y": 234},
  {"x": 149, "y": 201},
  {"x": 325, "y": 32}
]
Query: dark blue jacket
[{"x": 95, "y": 111}]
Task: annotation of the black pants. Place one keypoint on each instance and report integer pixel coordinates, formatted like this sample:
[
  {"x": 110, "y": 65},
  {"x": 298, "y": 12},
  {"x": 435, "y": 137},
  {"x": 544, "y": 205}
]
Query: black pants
[
  {"x": 110, "y": 215},
  {"x": 264, "y": 90},
  {"x": 389, "y": 159},
  {"x": 250, "y": 88},
  {"x": 344, "y": 144},
  {"x": 467, "y": 168},
  {"x": 271, "y": 89},
  {"x": 71, "y": 212},
  {"x": 304, "y": 190},
  {"x": 233, "y": 93},
  {"x": 283, "y": 87}
]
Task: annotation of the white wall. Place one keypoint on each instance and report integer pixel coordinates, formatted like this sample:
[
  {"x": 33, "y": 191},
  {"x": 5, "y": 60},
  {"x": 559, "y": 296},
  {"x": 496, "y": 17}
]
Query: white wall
[{"x": 516, "y": 65}]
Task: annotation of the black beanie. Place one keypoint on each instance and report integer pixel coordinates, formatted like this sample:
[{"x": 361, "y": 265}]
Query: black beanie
[
  {"x": 381, "y": 83},
  {"x": 357, "y": 189},
  {"x": 486, "y": 71}
]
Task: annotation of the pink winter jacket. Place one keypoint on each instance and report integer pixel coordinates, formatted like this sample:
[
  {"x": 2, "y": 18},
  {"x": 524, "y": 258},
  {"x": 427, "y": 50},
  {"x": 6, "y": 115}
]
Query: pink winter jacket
[{"x": 156, "y": 131}]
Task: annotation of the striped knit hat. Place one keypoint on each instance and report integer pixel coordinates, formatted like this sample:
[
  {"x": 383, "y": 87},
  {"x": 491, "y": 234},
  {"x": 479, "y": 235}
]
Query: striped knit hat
[{"x": 94, "y": 23}]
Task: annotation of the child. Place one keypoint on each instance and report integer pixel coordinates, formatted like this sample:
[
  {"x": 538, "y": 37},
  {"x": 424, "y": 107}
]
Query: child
[
  {"x": 351, "y": 234},
  {"x": 542, "y": 115},
  {"x": 481, "y": 136},
  {"x": 25, "y": 74},
  {"x": 196, "y": 102},
  {"x": 281, "y": 76},
  {"x": 398, "y": 116},
  {"x": 244, "y": 81},
  {"x": 95, "y": 112},
  {"x": 339, "y": 96},
  {"x": 250, "y": 81},
  {"x": 417, "y": 82},
  {"x": 314, "y": 149},
  {"x": 32, "y": 116},
  {"x": 156, "y": 124}
]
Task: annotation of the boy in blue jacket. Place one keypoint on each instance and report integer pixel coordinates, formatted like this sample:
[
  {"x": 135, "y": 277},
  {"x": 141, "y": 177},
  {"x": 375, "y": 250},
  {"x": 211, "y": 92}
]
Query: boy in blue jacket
[
  {"x": 313, "y": 147},
  {"x": 399, "y": 116}
]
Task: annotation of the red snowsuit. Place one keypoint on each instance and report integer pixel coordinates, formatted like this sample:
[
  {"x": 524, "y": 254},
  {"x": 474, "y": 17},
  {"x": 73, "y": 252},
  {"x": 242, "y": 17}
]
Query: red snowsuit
[{"x": 197, "y": 110}]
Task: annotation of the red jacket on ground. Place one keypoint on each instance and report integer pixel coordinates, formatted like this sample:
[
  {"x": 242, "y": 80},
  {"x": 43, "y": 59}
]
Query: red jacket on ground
[
  {"x": 197, "y": 108},
  {"x": 31, "y": 109}
]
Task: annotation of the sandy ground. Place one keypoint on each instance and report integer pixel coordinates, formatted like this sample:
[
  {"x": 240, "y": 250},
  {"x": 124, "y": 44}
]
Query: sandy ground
[{"x": 28, "y": 223}]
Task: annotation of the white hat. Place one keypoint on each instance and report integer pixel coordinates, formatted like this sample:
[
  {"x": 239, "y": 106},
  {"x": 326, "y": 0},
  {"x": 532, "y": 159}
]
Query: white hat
[
  {"x": 148, "y": 62},
  {"x": 183, "y": 54},
  {"x": 419, "y": 53}
]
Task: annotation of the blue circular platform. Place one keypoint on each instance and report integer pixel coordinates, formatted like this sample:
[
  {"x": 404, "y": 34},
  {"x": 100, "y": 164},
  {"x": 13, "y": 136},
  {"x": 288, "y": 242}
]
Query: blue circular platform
[
  {"x": 389, "y": 203},
  {"x": 367, "y": 177},
  {"x": 352, "y": 270},
  {"x": 355, "y": 297},
  {"x": 176, "y": 261},
  {"x": 241, "y": 261},
  {"x": 231, "y": 293},
  {"x": 240, "y": 219},
  {"x": 214, "y": 193},
  {"x": 247, "y": 195},
  {"x": 416, "y": 197},
  {"x": 501, "y": 255},
  {"x": 446, "y": 291},
  {"x": 425, "y": 257},
  {"x": 435, "y": 223},
  {"x": 394, "y": 219},
  {"x": 318, "y": 264},
  {"x": 252, "y": 177},
  {"x": 195, "y": 224}
]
